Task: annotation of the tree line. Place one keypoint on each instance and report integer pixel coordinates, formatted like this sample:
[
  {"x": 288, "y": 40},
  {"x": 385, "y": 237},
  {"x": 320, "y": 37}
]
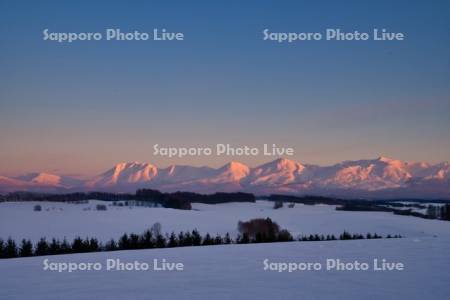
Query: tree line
[
  {"x": 253, "y": 231},
  {"x": 177, "y": 200},
  {"x": 433, "y": 212}
]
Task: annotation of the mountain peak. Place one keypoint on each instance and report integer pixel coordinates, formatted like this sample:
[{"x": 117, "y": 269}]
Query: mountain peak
[
  {"x": 385, "y": 159},
  {"x": 235, "y": 165},
  {"x": 47, "y": 178},
  {"x": 234, "y": 170},
  {"x": 284, "y": 163},
  {"x": 125, "y": 173},
  {"x": 283, "y": 160},
  {"x": 41, "y": 178}
]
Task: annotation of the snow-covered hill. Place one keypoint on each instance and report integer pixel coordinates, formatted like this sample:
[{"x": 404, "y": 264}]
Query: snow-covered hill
[
  {"x": 381, "y": 177},
  {"x": 228, "y": 271},
  {"x": 237, "y": 272}
]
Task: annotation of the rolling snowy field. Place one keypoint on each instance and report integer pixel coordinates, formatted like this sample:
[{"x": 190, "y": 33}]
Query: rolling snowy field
[
  {"x": 236, "y": 272},
  {"x": 228, "y": 271},
  {"x": 59, "y": 220}
]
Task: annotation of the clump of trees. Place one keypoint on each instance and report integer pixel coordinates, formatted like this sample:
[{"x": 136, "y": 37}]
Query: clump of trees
[
  {"x": 438, "y": 212},
  {"x": 434, "y": 212},
  {"x": 101, "y": 207},
  {"x": 445, "y": 212},
  {"x": 277, "y": 204},
  {"x": 262, "y": 230},
  {"x": 183, "y": 200}
]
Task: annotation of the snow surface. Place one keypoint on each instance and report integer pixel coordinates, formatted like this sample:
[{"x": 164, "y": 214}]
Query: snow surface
[
  {"x": 228, "y": 271},
  {"x": 236, "y": 272},
  {"x": 59, "y": 220}
]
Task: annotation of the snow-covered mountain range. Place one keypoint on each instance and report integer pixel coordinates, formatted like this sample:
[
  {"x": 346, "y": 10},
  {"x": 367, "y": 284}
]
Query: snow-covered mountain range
[{"x": 373, "y": 178}]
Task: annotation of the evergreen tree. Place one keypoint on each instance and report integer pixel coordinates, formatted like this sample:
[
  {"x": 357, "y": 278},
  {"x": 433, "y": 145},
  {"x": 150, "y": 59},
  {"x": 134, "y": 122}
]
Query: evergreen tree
[
  {"x": 42, "y": 247},
  {"x": 345, "y": 236},
  {"x": 86, "y": 245},
  {"x": 111, "y": 245},
  {"x": 227, "y": 239},
  {"x": 134, "y": 241},
  {"x": 26, "y": 248},
  {"x": 172, "y": 240},
  {"x": 124, "y": 242},
  {"x": 187, "y": 239},
  {"x": 146, "y": 240},
  {"x": 54, "y": 247},
  {"x": 160, "y": 241},
  {"x": 181, "y": 241},
  {"x": 94, "y": 245},
  {"x": 77, "y": 245},
  {"x": 196, "y": 238},
  {"x": 207, "y": 240},
  {"x": 10, "y": 249},
  {"x": 65, "y": 247},
  {"x": 2, "y": 248},
  {"x": 218, "y": 240}
]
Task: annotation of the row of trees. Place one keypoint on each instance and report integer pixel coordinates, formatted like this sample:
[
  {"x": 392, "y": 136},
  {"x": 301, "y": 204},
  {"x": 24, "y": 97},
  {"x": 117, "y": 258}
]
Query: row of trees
[
  {"x": 253, "y": 231},
  {"x": 345, "y": 236},
  {"x": 147, "y": 240},
  {"x": 177, "y": 200},
  {"x": 439, "y": 212}
]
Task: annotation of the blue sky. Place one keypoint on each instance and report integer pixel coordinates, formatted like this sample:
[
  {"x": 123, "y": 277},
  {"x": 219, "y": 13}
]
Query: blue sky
[{"x": 80, "y": 108}]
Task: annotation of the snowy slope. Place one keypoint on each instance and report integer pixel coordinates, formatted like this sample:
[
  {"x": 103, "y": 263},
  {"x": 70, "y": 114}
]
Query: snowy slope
[{"x": 236, "y": 272}]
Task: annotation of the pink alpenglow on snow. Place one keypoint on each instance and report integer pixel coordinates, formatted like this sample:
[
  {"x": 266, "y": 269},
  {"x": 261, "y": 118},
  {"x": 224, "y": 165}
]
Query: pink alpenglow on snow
[{"x": 378, "y": 178}]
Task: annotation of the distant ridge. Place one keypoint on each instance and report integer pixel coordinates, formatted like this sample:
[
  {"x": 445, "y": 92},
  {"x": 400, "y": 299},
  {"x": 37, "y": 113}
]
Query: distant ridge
[{"x": 378, "y": 178}]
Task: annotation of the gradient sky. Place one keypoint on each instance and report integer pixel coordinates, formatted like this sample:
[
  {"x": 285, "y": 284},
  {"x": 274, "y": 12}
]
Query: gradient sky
[{"x": 80, "y": 108}]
